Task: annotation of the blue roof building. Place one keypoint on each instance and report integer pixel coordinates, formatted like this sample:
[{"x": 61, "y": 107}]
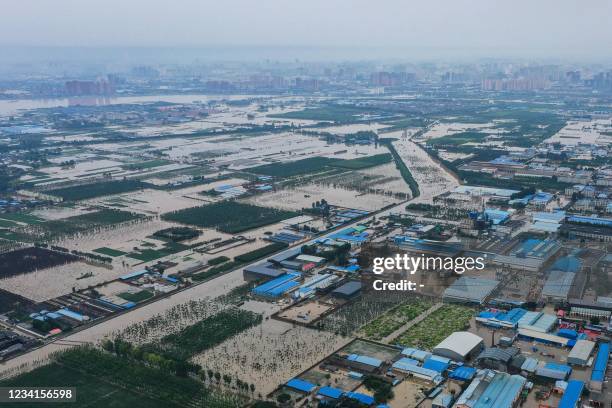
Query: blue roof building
[
  {"x": 371, "y": 361},
  {"x": 572, "y": 394},
  {"x": 463, "y": 373},
  {"x": 300, "y": 385},
  {"x": 330, "y": 392},
  {"x": 436, "y": 365},
  {"x": 599, "y": 368},
  {"x": 363, "y": 398},
  {"x": 601, "y": 222},
  {"x": 567, "y": 264}
]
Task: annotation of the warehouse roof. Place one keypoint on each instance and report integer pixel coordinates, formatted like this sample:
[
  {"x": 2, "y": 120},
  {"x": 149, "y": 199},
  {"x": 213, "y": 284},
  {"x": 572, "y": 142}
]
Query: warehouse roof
[
  {"x": 285, "y": 255},
  {"x": 546, "y": 337},
  {"x": 604, "y": 222},
  {"x": 558, "y": 284},
  {"x": 567, "y": 264},
  {"x": 348, "y": 289},
  {"x": 371, "y": 361},
  {"x": 300, "y": 385},
  {"x": 601, "y": 362},
  {"x": 581, "y": 350},
  {"x": 501, "y": 392},
  {"x": 572, "y": 394},
  {"x": 549, "y": 217},
  {"x": 436, "y": 365},
  {"x": 330, "y": 392},
  {"x": 461, "y": 343},
  {"x": 407, "y": 365},
  {"x": 537, "y": 321},
  {"x": 477, "y": 190},
  {"x": 499, "y": 354},
  {"x": 310, "y": 258},
  {"x": 470, "y": 289},
  {"x": 363, "y": 398},
  {"x": 491, "y": 389},
  {"x": 264, "y": 269},
  {"x": 530, "y": 364},
  {"x": 416, "y": 354},
  {"x": 463, "y": 373}
]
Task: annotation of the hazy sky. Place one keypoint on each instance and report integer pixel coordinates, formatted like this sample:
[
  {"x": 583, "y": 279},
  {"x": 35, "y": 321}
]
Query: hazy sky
[{"x": 547, "y": 26}]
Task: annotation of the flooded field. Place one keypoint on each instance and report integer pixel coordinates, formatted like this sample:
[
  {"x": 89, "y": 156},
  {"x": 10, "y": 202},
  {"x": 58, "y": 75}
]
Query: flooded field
[
  {"x": 431, "y": 178},
  {"x": 584, "y": 132},
  {"x": 299, "y": 197},
  {"x": 352, "y": 128},
  {"x": 271, "y": 353},
  {"x": 48, "y": 283},
  {"x": 446, "y": 129}
]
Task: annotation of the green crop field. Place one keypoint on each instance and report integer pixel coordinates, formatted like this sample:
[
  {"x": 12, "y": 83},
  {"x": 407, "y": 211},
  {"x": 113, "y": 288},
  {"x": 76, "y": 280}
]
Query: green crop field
[
  {"x": 136, "y": 297},
  {"x": 436, "y": 327},
  {"x": 149, "y": 254},
  {"x": 146, "y": 164},
  {"x": 260, "y": 252},
  {"x": 101, "y": 189},
  {"x": 109, "y": 251},
  {"x": 318, "y": 165},
  {"x": 207, "y": 333},
  {"x": 88, "y": 222},
  {"x": 395, "y": 318},
  {"x": 7, "y": 224},
  {"x": 24, "y": 218},
  {"x": 229, "y": 216},
  {"x": 458, "y": 139},
  {"x": 295, "y": 168},
  {"x": 363, "y": 162}
]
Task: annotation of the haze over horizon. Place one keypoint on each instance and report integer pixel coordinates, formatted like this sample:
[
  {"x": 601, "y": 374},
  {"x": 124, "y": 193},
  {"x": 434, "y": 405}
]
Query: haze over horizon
[{"x": 545, "y": 29}]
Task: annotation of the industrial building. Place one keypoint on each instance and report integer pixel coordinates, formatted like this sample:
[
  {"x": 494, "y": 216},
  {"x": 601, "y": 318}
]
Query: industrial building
[
  {"x": 416, "y": 354},
  {"x": 363, "y": 363},
  {"x": 485, "y": 191},
  {"x": 501, "y": 319},
  {"x": 285, "y": 256},
  {"x": 279, "y": 286},
  {"x": 492, "y": 389},
  {"x": 496, "y": 217},
  {"x": 459, "y": 346},
  {"x": 470, "y": 290},
  {"x": 309, "y": 287},
  {"x": 588, "y": 227},
  {"x": 554, "y": 371},
  {"x": 572, "y": 394},
  {"x": 301, "y": 385},
  {"x": 558, "y": 285},
  {"x": 428, "y": 246},
  {"x": 561, "y": 277},
  {"x": 496, "y": 358},
  {"x": 409, "y": 366},
  {"x": 543, "y": 337},
  {"x": 598, "y": 375},
  {"x": 528, "y": 255},
  {"x": 347, "y": 290},
  {"x": 537, "y": 321},
  {"x": 261, "y": 271},
  {"x": 587, "y": 309},
  {"x": 580, "y": 353}
]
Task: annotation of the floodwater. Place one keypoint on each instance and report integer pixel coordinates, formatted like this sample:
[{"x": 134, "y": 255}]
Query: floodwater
[{"x": 12, "y": 107}]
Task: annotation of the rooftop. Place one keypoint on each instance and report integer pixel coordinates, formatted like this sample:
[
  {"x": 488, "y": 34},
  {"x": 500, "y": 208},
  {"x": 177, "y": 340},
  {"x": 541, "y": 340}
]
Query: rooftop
[
  {"x": 460, "y": 342},
  {"x": 470, "y": 289}
]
